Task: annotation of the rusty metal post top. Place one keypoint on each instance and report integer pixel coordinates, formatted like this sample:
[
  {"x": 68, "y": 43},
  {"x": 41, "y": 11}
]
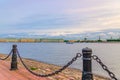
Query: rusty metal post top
[
  {"x": 87, "y": 50},
  {"x": 14, "y": 46}
]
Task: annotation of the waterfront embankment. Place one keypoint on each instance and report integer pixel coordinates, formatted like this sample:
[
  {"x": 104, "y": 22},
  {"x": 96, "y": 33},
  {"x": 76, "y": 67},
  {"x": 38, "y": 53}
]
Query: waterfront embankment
[{"x": 45, "y": 68}]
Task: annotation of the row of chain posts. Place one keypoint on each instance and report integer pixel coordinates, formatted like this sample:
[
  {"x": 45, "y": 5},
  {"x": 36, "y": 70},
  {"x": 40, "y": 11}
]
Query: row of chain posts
[{"x": 78, "y": 55}]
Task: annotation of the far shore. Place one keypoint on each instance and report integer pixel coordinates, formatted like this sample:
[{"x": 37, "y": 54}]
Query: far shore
[
  {"x": 46, "y": 68},
  {"x": 59, "y": 42}
]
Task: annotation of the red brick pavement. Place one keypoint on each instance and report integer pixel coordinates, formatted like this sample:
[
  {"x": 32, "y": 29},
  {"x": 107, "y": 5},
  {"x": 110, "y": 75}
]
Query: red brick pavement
[{"x": 20, "y": 74}]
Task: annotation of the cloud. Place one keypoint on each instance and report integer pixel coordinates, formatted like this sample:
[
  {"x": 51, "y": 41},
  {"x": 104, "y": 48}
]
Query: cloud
[
  {"x": 59, "y": 17},
  {"x": 43, "y": 22},
  {"x": 101, "y": 16},
  {"x": 102, "y": 34}
]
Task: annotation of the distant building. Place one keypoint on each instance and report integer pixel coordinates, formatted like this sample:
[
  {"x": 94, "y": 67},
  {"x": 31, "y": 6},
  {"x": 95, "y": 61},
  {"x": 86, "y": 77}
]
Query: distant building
[
  {"x": 26, "y": 40},
  {"x": 3, "y": 40},
  {"x": 30, "y": 40},
  {"x": 11, "y": 40},
  {"x": 51, "y": 40},
  {"x": 37, "y": 40}
]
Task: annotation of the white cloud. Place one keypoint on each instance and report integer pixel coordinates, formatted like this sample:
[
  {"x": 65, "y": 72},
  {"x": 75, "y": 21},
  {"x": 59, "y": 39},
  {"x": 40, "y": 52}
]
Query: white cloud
[
  {"x": 57, "y": 32},
  {"x": 102, "y": 34},
  {"x": 11, "y": 35},
  {"x": 111, "y": 33},
  {"x": 105, "y": 15}
]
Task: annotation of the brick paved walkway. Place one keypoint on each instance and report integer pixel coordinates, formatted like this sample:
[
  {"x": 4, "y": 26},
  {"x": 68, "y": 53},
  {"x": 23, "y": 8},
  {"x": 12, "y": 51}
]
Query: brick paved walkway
[{"x": 20, "y": 74}]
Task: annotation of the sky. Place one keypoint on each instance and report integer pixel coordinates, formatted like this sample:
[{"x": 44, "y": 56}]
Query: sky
[{"x": 58, "y": 17}]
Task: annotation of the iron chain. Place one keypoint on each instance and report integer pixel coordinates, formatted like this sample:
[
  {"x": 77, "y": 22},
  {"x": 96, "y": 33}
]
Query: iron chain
[
  {"x": 78, "y": 55},
  {"x": 112, "y": 75},
  {"x": 6, "y": 56}
]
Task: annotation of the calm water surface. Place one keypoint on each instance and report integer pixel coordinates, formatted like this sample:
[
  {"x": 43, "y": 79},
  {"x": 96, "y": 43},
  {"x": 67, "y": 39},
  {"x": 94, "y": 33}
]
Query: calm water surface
[{"x": 61, "y": 53}]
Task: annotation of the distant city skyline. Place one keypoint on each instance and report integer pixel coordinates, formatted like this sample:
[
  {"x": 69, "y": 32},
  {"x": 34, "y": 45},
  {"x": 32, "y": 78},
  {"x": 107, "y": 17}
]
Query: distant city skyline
[{"x": 59, "y": 18}]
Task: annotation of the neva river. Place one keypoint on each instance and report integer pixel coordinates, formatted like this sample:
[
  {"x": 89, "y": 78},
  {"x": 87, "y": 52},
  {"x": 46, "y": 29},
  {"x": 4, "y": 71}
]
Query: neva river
[{"x": 61, "y": 53}]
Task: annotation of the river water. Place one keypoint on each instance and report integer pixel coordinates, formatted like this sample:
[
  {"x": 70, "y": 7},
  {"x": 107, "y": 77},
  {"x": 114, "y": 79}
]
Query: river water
[{"x": 61, "y": 53}]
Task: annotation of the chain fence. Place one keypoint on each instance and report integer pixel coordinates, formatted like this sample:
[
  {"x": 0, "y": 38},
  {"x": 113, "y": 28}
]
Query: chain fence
[
  {"x": 78, "y": 55},
  {"x": 111, "y": 74},
  {"x": 7, "y": 56}
]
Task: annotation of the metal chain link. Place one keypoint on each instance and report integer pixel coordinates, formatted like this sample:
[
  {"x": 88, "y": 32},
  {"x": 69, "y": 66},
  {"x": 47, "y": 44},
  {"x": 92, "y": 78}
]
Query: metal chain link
[
  {"x": 7, "y": 56},
  {"x": 78, "y": 55},
  {"x": 112, "y": 75}
]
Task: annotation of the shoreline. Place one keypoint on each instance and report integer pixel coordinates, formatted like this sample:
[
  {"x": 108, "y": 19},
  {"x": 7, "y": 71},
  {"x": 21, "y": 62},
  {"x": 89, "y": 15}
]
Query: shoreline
[
  {"x": 46, "y": 68},
  {"x": 62, "y": 42}
]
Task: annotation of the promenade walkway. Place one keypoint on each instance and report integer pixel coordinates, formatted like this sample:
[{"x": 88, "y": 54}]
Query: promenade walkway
[{"x": 20, "y": 74}]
